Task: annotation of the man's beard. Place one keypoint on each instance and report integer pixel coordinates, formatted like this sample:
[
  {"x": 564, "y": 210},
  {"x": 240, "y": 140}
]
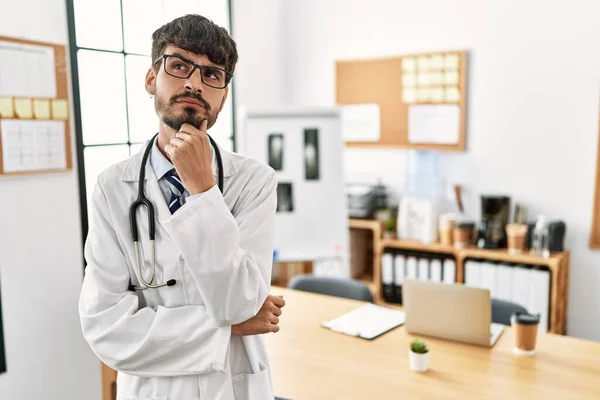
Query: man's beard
[{"x": 190, "y": 115}]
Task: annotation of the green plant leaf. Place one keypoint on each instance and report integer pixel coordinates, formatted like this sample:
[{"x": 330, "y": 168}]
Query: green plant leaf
[{"x": 419, "y": 346}]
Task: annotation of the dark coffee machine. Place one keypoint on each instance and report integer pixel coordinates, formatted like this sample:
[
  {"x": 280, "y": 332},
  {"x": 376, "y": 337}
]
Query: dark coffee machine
[{"x": 495, "y": 212}]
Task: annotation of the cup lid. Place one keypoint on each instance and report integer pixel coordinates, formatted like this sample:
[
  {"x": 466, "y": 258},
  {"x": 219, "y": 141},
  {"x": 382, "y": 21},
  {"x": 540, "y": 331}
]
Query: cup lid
[{"x": 526, "y": 319}]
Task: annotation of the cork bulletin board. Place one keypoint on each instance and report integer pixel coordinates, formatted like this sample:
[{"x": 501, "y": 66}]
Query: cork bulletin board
[
  {"x": 34, "y": 108},
  {"x": 422, "y": 98}
]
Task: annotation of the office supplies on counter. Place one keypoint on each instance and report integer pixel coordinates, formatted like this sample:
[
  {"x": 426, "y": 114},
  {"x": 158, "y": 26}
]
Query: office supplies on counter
[
  {"x": 516, "y": 235},
  {"x": 556, "y": 234},
  {"x": 417, "y": 219},
  {"x": 463, "y": 234},
  {"x": 495, "y": 211},
  {"x": 367, "y": 321},
  {"x": 365, "y": 199}
]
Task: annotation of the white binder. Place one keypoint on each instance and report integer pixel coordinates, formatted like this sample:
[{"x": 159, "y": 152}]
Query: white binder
[
  {"x": 449, "y": 271},
  {"x": 424, "y": 269},
  {"x": 435, "y": 269},
  {"x": 399, "y": 270},
  {"x": 487, "y": 277},
  {"x": 521, "y": 284},
  {"x": 411, "y": 267},
  {"x": 387, "y": 269},
  {"x": 472, "y": 273},
  {"x": 539, "y": 296},
  {"x": 503, "y": 282}
]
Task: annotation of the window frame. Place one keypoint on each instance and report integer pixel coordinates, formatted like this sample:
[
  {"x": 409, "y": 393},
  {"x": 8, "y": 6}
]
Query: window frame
[{"x": 76, "y": 97}]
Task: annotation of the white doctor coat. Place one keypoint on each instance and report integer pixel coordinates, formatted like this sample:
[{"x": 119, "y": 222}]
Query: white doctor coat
[{"x": 175, "y": 342}]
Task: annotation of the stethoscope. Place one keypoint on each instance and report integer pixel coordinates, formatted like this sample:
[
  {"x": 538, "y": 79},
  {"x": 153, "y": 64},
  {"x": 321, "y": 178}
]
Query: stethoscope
[{"x": 142, "y": 200}]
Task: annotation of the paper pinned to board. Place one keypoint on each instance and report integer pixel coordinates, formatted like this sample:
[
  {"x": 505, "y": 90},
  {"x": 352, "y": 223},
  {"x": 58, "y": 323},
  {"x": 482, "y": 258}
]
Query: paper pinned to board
[
  {"x": 361, "y": 122},
  {"x": 23, "y": 108},
  {"x": 7, "y": 108},
  {"x": 27, "y": 70},
  {"x": 32, "y": 145},
  {"x": 41, "y": 109},
  {"x": 438, "y": 124},
  {"x": 60, "y": 109}
]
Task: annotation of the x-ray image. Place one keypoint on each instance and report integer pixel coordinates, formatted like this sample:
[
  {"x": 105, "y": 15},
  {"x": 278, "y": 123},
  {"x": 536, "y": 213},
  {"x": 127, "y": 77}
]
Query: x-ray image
[
  {"x": 276, "y": 151},
  {"x": 311, "y": 154},
  {"x": 285, "y": 199}
]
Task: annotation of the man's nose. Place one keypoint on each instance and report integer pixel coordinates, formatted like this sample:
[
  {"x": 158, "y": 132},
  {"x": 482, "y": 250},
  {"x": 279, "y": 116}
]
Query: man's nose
[{"x": 194, "y": 83}]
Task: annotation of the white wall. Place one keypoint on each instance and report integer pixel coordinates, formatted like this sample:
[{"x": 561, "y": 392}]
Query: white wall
[
  {"x": 258, "y": 29},
  {"x": 41, "y": 264},
  {"x": 534, "y": 81}
]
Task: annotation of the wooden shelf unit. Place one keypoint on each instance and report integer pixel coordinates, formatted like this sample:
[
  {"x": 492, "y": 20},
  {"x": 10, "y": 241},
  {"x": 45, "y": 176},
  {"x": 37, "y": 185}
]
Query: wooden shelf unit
[
  {"x": 372, "y": 274},
  {"x": 557, "y": 264}
]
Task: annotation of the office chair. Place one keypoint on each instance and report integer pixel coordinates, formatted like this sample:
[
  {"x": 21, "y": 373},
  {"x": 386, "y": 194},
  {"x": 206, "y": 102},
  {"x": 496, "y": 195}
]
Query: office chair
[
  {"x": 502, "y": 311},
  {"x": 340, "y": 287}
]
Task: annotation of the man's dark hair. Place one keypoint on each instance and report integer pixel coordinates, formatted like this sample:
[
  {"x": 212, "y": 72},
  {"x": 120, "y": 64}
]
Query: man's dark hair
[{"x": 199, "y": 35}]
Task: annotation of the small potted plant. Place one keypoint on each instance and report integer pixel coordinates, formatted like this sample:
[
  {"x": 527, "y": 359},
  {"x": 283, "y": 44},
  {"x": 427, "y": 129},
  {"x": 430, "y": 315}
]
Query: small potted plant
[{"x": 419, "y": 355}]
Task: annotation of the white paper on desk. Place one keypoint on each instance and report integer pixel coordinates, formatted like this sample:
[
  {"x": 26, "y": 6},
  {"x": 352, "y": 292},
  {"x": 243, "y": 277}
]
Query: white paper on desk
[
  {"x": 367, "y": 321},
  {"x": 434, "y": 123},
  {"x": 27, "y": 70},
  {"x": 32, "y": 145},
  {"x": 361, "y": 122}
]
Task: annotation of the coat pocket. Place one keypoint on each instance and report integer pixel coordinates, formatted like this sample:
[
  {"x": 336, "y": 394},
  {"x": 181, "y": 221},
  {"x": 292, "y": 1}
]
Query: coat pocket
[{"x": 253, "y": 386}]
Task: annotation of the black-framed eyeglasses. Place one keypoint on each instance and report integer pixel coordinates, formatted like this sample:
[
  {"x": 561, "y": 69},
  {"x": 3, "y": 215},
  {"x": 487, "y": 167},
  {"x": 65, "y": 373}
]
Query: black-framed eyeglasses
[{"x": 182, "y": 68}]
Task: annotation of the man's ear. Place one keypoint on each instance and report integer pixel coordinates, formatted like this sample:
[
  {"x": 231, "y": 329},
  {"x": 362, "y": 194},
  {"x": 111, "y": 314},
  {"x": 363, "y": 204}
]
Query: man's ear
[
  {"x": 151, "y": 81},
  {"x": 224, "y": 99}
]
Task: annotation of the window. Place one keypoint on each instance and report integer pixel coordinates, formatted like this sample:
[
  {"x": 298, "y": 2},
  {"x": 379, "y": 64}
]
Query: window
[{"x": 110, "y": 53}]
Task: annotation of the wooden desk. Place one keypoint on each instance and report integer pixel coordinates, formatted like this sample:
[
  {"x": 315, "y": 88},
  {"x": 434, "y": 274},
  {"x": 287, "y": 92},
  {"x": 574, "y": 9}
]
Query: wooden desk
[{"x": 310, "y": 362}]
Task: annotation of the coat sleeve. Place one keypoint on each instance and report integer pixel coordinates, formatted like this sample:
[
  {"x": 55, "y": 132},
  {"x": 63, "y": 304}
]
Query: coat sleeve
[
  {"x": 140, "y": 342},
  {"x": 230, "y": 255}
]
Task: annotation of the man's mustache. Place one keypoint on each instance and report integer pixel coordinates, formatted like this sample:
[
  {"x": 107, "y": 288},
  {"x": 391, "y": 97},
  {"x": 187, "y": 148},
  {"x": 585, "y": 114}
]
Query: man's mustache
[{"x": 178, "y": 97}]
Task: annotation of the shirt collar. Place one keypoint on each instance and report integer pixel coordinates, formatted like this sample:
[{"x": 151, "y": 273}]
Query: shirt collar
[{"x": 159, "y": 162}]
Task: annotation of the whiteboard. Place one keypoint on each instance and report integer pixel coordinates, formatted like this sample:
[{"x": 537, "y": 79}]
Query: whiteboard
[{"x": 313, "y": 224}]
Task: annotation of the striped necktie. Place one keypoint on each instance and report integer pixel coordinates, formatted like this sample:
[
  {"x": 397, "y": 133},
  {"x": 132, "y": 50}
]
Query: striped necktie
[{"x": 176, "y": 188}]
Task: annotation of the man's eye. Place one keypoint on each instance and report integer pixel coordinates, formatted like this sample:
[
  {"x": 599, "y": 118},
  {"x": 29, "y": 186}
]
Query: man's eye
[{"x": 213, "y": 74}]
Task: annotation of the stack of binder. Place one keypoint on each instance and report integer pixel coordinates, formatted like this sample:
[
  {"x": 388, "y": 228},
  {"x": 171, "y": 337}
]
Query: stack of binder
[
  {"x": 400, "y": 265},
  {"x": 527, "y": 286}
]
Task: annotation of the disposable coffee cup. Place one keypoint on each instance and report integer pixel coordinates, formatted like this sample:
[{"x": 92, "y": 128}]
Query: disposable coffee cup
[
  {"x": 516, "y": 234},
  {"x": 525, "y": 332}
]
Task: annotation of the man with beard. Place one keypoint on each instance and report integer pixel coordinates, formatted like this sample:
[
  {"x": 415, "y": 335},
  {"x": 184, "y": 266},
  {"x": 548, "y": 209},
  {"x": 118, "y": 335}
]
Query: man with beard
[{"x": 176, "y": 292}]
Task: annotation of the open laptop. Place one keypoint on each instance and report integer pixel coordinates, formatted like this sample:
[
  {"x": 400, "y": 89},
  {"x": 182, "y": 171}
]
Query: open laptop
[{"x": 453, "y": 312}]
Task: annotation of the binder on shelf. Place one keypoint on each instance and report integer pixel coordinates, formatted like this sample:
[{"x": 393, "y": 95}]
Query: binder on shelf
[
  {"x": 521, "y": 284},
  {"x": 411, "y": 267},
  {"x": 487, "y": 277},
  {"x": 399, "y": 274},
  {"x": 435, "y": 269},
  {"x": 539, "y": 296},
  {"x": 472, "y": 273},
  {"x": 387, "y": 276},
  {"x": 423, "y": 268},
  {"x": 449, "y": 268},
  {"x": 503, "y": 284}
]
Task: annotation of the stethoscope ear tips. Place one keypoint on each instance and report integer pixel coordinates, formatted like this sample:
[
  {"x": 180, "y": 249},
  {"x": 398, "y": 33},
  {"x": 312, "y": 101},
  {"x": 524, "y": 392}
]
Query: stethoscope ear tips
[{"x": 171, "y": 282}]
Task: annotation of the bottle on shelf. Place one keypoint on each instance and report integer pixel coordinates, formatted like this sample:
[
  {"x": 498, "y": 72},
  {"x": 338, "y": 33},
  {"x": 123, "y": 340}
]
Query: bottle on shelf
[{"x": 539, "y": 241}]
